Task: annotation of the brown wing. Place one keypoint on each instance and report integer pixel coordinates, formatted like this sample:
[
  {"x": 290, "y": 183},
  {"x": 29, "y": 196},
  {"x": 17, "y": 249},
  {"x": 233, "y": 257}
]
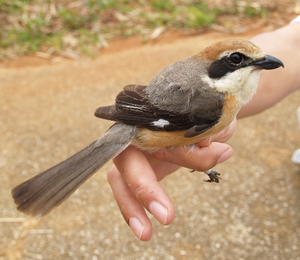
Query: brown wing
[{"x": 133, "y": 107}]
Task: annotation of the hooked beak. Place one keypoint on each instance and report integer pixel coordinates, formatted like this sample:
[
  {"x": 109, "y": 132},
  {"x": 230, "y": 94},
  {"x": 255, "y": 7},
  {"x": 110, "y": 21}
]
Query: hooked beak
[{"x": 269, "y": 63}]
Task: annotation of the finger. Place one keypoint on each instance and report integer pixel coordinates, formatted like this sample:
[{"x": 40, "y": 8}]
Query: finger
[
  {"x": 195, "y": 157},
  {"x": 161, "y": 168},
  {"x": 226, "y": 134},
  {"x": 220, "y": 137},
  {"x": 132, "y": 210},
  {"x": 141, "y": 179}
]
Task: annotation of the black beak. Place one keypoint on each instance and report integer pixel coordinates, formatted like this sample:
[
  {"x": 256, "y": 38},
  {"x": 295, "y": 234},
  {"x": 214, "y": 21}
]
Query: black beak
[{"x": 269, "y": 63}]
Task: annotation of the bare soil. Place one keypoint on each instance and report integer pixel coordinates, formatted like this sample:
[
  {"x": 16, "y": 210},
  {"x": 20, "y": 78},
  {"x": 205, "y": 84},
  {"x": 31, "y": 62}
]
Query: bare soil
[{"x": 46, "y": 113}]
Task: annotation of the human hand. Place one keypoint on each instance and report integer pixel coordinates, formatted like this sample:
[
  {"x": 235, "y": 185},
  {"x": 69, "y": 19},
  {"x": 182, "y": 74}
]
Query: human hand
[{"x": 134, "y": 178}]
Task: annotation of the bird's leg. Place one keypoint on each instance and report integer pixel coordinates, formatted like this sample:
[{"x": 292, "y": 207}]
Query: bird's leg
[{"x": 213, "y": 176}]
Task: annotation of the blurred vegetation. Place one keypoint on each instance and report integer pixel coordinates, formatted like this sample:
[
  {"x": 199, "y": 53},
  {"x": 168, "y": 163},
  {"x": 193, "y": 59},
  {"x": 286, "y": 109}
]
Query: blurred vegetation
[{"x": 84, "y": 26}]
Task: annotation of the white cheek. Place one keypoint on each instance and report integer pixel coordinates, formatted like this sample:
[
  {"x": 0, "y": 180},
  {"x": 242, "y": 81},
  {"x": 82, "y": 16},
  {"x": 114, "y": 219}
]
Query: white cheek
[
  {"x": 250, "y": 86},
  {"x": 241, "y": 83}
]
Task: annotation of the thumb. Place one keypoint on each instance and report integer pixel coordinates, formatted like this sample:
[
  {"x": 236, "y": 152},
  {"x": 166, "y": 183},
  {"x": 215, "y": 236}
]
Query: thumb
[{"x": 199, "y": 158}]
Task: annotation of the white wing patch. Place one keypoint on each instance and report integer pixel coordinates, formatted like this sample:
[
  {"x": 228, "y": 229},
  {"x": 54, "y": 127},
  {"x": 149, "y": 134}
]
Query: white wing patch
[{"x": 161, "y": 123}]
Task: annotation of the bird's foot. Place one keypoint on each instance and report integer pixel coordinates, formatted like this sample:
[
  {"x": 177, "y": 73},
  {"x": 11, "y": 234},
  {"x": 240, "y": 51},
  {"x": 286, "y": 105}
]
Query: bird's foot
[{"x": 213, "y": 176}]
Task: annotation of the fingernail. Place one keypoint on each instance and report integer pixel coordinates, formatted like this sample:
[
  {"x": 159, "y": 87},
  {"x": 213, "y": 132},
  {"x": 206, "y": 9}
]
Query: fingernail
[
  {"x": 225, "y": 156},
  {"x": 159, "y": 212},
  {"x": 137, "y": 227}
]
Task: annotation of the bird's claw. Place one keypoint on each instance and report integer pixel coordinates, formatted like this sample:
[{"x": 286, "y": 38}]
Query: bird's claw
[{"x": 213, "y": 176}]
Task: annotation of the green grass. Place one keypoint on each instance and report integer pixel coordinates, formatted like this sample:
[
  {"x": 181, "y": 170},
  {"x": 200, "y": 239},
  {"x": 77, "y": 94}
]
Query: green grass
[{"x": 27, "y": 26}]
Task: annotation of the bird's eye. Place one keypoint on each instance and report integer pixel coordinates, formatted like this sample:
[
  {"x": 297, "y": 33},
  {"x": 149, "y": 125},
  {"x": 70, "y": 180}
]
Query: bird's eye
[{"x": 236, "y": 58}]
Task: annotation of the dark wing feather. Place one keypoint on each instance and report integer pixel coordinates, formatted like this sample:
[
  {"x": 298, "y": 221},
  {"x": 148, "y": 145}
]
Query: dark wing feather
[
  {"x": 132, "y": 107},
  {"x": 198, "y": 129},
  {"x": 132, "y": 96}
]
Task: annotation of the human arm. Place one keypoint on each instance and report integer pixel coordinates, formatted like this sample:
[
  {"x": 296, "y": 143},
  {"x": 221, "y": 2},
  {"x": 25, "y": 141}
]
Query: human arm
[{"x": 274, "y": 86}]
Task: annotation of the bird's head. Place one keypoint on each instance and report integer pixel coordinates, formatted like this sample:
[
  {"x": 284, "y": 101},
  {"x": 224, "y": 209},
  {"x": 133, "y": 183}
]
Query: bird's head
[{"x": 234, "y": 66}]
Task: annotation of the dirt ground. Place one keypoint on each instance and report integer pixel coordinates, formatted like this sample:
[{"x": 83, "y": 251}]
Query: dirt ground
[{"x": 47, "y": 115}]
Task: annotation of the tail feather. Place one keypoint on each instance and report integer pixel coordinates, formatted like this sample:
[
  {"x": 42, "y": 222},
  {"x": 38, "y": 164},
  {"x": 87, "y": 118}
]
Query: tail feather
[{"x": 42, "y": 193}]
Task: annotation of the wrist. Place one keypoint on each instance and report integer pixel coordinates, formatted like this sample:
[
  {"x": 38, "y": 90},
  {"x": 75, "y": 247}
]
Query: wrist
[{"x": 295, "y": 24}]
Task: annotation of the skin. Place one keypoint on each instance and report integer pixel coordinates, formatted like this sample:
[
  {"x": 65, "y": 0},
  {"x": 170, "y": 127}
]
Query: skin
[
  {"x": 283, "y": 43},
  {"x": 135, "y": 192}
]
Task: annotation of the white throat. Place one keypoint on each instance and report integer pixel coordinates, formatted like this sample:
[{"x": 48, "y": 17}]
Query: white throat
[{"x": 241, "y": 83}]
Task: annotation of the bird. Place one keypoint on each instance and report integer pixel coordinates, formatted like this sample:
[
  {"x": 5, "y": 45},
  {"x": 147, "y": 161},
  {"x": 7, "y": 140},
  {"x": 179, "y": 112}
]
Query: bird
[{"x": 187, "y": 101}]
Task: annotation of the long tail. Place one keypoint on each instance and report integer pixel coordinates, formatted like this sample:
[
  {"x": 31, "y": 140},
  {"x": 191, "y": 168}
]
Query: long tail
[{"x": 42, "y": 193}]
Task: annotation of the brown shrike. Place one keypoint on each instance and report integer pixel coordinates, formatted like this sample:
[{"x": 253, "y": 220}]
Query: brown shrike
[{"x": 188, "y": 101}]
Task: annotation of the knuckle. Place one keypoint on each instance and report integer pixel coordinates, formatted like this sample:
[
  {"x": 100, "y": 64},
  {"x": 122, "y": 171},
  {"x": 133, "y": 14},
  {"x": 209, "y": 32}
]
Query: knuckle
[{"x": 142, "y": 191}]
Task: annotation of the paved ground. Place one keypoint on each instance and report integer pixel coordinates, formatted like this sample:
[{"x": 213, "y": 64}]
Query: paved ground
[{"x": 47, "y": 115}]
